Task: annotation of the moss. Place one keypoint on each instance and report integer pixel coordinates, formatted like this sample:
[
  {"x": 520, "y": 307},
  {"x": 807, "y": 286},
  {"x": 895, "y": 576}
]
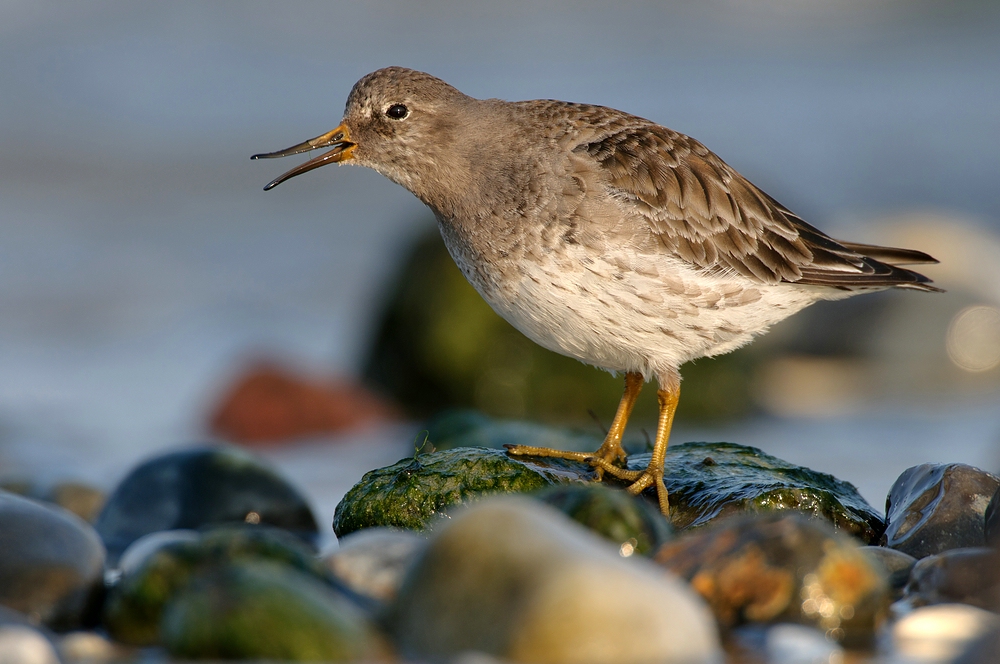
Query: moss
[
  {"x": 135, "y": 605},
  {"x": 411, "y": 492},
  {"x": 633, "y": 524},
  {"x": 706, "y": 481},
  {"x": 259, "y": 610}
]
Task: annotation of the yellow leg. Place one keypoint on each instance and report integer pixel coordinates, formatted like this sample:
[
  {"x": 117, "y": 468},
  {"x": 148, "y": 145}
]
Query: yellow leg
[
  {"x": 611, "y": 450},
  {"x": 653, "y": 474}
]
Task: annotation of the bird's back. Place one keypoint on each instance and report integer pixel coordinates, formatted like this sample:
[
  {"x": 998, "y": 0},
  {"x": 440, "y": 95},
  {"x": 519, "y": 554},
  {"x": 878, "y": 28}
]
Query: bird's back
[{"x": 704, "y": 212}]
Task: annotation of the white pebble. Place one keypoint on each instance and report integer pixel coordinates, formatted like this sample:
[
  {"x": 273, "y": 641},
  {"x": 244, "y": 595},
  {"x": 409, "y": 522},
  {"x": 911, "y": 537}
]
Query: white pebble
[
  {"x": 23, "y": 645},
  {"x": 937, "y": 634}
]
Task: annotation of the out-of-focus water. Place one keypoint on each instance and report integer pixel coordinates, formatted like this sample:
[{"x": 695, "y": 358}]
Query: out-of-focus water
[{"x": 140, "y": 260}]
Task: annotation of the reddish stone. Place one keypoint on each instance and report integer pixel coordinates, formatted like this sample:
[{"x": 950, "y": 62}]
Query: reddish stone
[{"x": 270, "y": 404}]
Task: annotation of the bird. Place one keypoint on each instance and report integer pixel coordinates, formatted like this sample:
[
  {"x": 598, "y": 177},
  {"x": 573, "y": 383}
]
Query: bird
[{"x": 600, "y": 235}]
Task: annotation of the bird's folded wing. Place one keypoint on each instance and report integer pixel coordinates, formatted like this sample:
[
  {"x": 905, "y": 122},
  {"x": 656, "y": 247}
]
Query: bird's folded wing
[{"x": 705, "y": 212}]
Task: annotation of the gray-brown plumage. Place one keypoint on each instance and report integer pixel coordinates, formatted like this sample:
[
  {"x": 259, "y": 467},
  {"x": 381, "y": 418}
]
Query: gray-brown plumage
[{"x": 599, "y": 234}]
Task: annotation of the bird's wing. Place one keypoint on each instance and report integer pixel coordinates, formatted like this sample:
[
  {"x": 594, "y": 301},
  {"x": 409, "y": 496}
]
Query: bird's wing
[{"x": 708, "y": 214}]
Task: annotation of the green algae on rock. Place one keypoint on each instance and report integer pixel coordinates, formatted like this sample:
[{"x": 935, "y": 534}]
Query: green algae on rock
[
  {"x": 134, "y": 607},
  {"x": 708, "y": 481},
  {"x": 705, "y": 480},
  {"x": 263, "y": 610},
  {"x": 409, "y": 493},
  {"x": 633, "y": 524}
]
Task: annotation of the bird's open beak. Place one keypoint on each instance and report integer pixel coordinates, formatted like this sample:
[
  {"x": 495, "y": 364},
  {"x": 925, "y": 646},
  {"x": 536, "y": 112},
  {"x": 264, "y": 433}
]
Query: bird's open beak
[{"x": 338, "y": 139}]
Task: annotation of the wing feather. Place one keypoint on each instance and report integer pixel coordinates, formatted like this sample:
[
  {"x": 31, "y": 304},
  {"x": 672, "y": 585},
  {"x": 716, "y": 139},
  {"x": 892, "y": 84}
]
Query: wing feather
[{"x": 708, "y": 214}]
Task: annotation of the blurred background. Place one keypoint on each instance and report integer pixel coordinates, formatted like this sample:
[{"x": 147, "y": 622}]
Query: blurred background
[{"x": 144, "y": 273}]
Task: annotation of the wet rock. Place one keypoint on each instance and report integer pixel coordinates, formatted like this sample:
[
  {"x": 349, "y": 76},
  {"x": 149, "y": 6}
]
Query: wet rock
[
  {"x": 710, "y": 481},
  {"x": 269, "y": 404},
  {"x": 783, "y": 568},
  {"x": 259, "y": 610},
  {"x": 992, "y": 521},
  {"x": 139, "y": 551},
  {"x": 896, "y": 564},
  {"x": 51, "y": 562},
  {"x": 967, "y": 576},
  {"x": 439, "y": 345},
  {"x": 157, "y": 568},
  {"x": 198, "y": 487},
  {"x": 706, "y": 481},
  {"x": 411, "y": 492},
  {"x": 632, "y": 524},
  {"x": 373, "y": 561},
  {"x": 515, "y": 579},
  {"x": 935, "y": 507},
  {"x": 940, "y": 633},
  {"x": 471, "y": 428}
]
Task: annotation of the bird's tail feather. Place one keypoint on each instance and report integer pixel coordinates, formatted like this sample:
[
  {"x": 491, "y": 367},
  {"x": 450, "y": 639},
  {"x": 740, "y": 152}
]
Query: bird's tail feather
[{"x": 890, "y": 255}]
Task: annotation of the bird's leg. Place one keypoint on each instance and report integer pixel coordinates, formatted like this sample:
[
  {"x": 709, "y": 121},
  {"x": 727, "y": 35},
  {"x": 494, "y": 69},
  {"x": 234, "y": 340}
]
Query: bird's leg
[
  {"x": 611, "y": 450},
  {"x": 653, "y": 474}
]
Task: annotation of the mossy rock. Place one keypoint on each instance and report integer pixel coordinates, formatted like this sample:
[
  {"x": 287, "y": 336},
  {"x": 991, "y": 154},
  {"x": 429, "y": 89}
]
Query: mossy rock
[
  {"x": 134, "y": 607},
  {"x": 710, "y": 481},
  {"x": 635, "y": 525},
  {"x": 411, "y": 492},
  {"x": 706, "y": 481},
  {"x": 439, "y": 345},
  {"x": 263, "y": 610}
]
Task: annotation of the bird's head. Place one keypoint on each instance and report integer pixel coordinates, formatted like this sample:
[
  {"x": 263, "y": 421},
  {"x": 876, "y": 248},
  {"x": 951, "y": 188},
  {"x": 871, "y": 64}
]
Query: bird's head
[{"x": 399, "y": 122}]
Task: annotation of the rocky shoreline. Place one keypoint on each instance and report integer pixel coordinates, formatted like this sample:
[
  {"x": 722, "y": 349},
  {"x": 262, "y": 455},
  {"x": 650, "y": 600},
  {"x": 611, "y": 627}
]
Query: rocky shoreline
[{"x": 460, "y": 553}]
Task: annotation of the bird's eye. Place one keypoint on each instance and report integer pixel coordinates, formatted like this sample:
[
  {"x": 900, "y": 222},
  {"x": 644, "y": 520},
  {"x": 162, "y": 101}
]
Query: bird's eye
[{"x": 397, "y": 111}]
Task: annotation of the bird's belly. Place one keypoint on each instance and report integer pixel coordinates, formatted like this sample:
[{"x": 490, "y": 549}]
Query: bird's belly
[{"x": 637, "y": 313}]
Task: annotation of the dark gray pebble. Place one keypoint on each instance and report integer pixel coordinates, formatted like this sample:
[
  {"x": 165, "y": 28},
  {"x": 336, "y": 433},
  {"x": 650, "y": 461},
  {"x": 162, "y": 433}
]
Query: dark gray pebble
[
  {"x": 198, "y": 487},
  {"x": 51, "y": 562}
]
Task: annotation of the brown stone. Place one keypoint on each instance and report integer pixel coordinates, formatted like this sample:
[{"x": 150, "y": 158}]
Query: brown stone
[
  {"x": 932, "y": 508},
  {"x": 769, "y": 569},
  {"x": 967, "y": 576},
  {"x": 269, "y": 404}
]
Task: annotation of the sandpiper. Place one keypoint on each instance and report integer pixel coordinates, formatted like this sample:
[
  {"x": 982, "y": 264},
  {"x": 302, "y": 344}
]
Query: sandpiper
[{"x": 600, "y": 235}]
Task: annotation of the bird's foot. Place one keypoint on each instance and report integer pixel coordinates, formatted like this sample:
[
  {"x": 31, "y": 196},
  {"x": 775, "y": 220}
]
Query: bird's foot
[
  {"x": 546, "y": 452},
  {"x": 640, "y": 480},
  {"x": 605, "y": 456}
]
